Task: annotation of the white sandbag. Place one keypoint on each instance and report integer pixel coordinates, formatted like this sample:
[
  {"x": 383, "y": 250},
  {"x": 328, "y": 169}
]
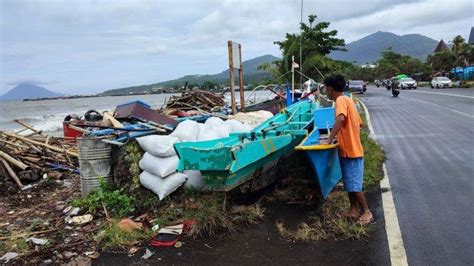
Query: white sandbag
[
  {"x": 187, "y": 130},
  {"x": 214, "y": 122},
  {"x": 162, "y": 186},
  {"x": 208, "y": 135},
  {"x": 195, "y": 180},
  {"x": 222, "y": 131},
  {"x": 252, "y": 119},
  {"x": 160, "y": 166},
  {"x": 161, "y": 146},
  {"x": 236, "y": 126}
]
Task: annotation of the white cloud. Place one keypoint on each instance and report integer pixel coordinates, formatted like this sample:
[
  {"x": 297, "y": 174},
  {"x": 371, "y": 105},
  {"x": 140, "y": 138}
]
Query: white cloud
[{"x": 95, "y": 45}]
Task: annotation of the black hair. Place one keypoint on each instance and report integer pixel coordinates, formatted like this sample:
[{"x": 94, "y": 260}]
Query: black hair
[{"x": 337, "y": 82}]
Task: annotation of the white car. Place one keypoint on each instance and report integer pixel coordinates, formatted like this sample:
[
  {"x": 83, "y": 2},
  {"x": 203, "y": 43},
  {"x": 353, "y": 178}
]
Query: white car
[
  {"x": 441, "y": 82},
  {"x": 407, "y": 83}
]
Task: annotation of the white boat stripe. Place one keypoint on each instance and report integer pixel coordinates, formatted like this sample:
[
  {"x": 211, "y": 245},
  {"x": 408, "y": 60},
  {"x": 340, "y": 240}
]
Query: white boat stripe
[{"x": 392, "y": 227}]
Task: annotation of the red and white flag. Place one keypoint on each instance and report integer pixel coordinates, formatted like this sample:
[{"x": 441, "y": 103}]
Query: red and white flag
[{"x": 295, "y": 65}]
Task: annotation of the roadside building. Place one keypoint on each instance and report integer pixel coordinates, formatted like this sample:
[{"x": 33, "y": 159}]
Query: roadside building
[
  {"x": 471, "y": 37},
  {"x": 441, "y": 47}
]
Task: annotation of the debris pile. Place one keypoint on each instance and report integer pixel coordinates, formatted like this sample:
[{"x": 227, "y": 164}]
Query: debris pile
[
  {"x": 26, "y": 157},
  {"x": 194, "y": 100}
]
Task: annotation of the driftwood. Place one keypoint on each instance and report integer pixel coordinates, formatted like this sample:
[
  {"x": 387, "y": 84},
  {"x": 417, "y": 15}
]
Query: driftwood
[
  {"x": 12, "y": 173},
  {"x": 27, "y": 158},
  {"x": 203, "y": 100}
]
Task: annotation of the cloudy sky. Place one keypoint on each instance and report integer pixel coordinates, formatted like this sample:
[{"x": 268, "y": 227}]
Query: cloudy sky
[{"x": 89, "y": 46}]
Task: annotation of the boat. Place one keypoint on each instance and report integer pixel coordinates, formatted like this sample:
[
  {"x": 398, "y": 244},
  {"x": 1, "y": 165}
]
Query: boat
[
  {"x": 253, "y": 158},
  {"x": 324, "y": 158}
]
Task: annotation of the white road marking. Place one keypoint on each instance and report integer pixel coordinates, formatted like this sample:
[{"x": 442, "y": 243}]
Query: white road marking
[
  {"x": 446, "y": 94},
  {"x": 396, "y": 247},
  {"x": 438, "y": 105}
]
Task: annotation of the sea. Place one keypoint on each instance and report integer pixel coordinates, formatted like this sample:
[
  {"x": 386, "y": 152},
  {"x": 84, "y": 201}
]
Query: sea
[{"x": 48, "y": 115}]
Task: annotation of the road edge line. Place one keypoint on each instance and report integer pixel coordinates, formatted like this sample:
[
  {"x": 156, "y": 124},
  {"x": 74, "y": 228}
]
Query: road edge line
[{"x": 392, "y": 227}]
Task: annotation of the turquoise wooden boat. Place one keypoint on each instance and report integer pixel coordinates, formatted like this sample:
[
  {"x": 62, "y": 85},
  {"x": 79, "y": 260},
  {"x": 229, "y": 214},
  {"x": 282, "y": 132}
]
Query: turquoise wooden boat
[
  {"x": 324, "y": 159},
  {"x": 251, "y": 158}
]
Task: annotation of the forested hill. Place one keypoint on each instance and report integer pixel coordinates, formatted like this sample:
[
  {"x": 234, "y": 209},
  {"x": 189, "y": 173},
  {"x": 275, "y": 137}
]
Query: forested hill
[
  {"x": 251, "y": 75},
  {"x": 368, "y": 49}
]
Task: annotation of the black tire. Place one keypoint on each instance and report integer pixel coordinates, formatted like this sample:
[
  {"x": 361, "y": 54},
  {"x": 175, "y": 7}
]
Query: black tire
[
  {"x": 437, "y": 86},
  {"x": 431, "y": 85}
]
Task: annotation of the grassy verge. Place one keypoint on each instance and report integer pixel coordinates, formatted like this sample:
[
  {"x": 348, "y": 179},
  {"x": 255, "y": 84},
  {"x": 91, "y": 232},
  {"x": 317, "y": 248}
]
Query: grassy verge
[
  {"x": 207, "y": 210},
  {"x": 325, "y": 224}
]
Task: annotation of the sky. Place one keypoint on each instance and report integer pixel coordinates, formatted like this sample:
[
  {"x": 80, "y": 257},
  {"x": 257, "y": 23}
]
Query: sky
[{"x": 88, "y": 46}]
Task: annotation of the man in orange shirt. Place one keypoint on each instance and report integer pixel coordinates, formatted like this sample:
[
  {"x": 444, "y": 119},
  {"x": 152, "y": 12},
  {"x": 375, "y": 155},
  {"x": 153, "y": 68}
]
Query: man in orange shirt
[{"x": 351, "y": 152}]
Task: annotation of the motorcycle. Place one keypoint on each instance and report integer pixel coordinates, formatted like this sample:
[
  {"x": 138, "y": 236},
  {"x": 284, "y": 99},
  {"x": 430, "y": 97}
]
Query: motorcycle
[{"x": 395, "y": 91}]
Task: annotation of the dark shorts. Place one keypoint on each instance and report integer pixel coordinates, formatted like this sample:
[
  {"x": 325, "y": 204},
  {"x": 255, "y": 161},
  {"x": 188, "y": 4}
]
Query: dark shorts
[{"x": 352, "y": 173}]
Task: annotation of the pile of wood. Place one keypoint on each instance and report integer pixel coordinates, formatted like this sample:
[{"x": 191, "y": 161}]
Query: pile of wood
[
  {"x": 26, "y": 156},
  {"x": 195, "y": 100}
]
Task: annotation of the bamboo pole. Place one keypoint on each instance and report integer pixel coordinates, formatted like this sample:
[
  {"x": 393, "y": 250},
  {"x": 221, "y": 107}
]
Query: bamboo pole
[
  {"x": 56, "y": 149},
  {"x": 12, "y": 173},
  {"x": 13, "y": 161},
  {"x": 28, "y": 127}
]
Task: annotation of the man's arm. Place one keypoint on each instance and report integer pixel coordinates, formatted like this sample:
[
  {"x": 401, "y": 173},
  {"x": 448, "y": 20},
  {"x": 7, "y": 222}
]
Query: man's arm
[{"x": 337, "y": 126}]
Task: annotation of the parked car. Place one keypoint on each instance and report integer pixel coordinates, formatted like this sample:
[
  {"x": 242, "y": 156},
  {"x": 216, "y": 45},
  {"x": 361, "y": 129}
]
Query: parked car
[
  {"x": 356, "y": 86},
  {"x": 406, "y": 83},
  {"x": 441, "y": 82}
]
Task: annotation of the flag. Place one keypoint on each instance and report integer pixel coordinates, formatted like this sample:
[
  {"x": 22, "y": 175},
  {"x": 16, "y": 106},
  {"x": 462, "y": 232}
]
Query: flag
[{"x": 295, "y": 65}]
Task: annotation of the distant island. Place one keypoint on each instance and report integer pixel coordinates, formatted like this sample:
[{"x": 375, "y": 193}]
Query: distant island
[{"x": 28, "y": 91}]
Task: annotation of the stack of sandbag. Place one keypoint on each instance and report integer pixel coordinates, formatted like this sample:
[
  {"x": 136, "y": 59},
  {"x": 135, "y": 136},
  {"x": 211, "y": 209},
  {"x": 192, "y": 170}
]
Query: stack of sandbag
[
  {"x": 160, "y": 161},
  {"x": 251, "y": 119}
]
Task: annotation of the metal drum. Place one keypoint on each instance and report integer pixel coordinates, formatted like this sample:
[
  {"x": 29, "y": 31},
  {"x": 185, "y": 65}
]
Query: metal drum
[{"x": 94, "y": 162}]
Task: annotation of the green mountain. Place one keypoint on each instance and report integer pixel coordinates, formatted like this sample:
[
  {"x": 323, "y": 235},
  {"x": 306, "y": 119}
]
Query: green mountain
[
  {"x": 368, "y": 49},
  {"x": 251, "y": 75}
]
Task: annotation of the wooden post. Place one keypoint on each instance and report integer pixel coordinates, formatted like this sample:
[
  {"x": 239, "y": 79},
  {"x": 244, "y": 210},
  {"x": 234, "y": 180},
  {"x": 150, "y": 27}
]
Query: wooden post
[
  {"x": 241, "y": 81},
  {"x": 12, "y": 173},
  {"x": 292, "y": 79},
  {"x": 231, "y": 78}
]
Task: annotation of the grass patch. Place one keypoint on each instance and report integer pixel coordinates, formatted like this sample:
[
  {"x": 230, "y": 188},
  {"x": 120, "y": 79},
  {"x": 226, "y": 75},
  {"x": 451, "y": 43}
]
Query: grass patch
[
  {"x": 111, "y": 236},
  {"x": 326, "y": 224},
  {"x": 207, "y": 210},
  {"x": 19, "y": 246}
]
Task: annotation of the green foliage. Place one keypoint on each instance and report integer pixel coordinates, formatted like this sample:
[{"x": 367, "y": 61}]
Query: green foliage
[
  {"x": 442, "y": 61},
  {"x": 317, "y": 42},
  {"x": 115, "y": 201},
  {"x": 392, "y": 64}
]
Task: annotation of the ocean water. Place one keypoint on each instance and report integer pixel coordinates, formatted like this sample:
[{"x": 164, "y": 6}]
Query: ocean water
[{"x": 48, "y": 115}]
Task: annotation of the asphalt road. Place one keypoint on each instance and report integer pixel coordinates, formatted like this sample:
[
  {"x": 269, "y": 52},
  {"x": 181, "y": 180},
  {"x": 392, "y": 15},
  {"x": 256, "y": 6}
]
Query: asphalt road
[{"x": 428, "y": 137}]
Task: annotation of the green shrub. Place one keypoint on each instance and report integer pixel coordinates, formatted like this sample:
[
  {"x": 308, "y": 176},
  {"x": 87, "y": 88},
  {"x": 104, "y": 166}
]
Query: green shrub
[{"x": 115, "y": 201}]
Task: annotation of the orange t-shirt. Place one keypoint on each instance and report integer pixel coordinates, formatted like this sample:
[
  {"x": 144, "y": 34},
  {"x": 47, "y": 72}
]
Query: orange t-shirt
[{"x": 348, "y": 136}]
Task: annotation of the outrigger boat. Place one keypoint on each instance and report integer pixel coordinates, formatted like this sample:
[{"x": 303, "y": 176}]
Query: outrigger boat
[
  {"x": 324, "y": 158},
  {"x": 251, "y": 158}
]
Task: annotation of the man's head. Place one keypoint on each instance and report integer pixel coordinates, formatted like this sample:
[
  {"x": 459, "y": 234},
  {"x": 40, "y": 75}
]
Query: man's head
[{"x": 335, "y": 85}]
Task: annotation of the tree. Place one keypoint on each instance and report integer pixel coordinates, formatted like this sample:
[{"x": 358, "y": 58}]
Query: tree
[
  {"x": 317, "y": 43},
  {"x": 208, "y": 85},
  {"x": 441, "y": 61}
]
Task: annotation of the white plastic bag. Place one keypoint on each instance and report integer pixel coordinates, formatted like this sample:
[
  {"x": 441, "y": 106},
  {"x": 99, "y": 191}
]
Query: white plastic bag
[
  {"x": 214, "y": 122},
  {"x": 160, "y": 166},
  {"x": 162, "y": 186},
  {"x": 236, "y": 126},
  {"x": 195, "y": 180},
  {"x": 161, "y": 146},
  {"x": 208, "y": 135},
  {"x": 187, "y": 130},
  {"x": 222, "y": 130}
]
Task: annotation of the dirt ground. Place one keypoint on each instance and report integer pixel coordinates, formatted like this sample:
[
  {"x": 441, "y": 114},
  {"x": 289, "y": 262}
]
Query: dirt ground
[{"x": 262, "y": 244}]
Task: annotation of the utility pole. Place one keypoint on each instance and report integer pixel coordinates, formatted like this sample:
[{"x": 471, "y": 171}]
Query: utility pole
[{"x": 301, "y": 44}]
